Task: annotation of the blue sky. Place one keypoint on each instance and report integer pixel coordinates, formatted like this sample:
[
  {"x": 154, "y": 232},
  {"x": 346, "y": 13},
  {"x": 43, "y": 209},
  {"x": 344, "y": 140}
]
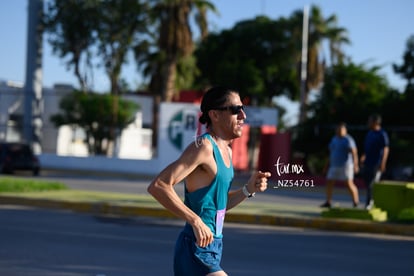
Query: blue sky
[{"x": 378, "y": 30}]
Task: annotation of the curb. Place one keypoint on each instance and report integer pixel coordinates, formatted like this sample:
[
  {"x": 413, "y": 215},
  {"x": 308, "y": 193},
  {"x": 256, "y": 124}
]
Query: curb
[{"x": 331, "y": 224}]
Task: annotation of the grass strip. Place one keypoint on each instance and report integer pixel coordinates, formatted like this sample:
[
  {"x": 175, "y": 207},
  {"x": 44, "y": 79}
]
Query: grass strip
[
  {"x": 20, "y": 185},
  {"x": 90, "y": 196}
]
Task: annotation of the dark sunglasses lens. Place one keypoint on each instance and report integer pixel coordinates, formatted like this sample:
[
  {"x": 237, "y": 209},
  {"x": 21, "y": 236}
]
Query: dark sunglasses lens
[{"x": 236, "y": 109}]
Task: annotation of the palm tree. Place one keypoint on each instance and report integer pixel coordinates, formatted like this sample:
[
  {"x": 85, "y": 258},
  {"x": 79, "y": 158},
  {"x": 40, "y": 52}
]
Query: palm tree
[
  {"x": 174, "y": 45},
  {"x": 337, "y": 37},
  {"x": 320, "y": 30},
  {"x": 174, "y": 42}
]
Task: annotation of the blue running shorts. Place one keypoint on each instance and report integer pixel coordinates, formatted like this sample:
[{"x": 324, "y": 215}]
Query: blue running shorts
[{"x": 192, "y": 260}]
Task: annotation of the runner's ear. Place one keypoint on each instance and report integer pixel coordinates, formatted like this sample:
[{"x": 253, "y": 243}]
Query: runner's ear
[{"x": 214, "y": 115}]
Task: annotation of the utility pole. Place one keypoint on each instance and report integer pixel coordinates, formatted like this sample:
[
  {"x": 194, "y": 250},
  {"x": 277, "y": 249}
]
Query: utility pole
[
  {"x": 304, "y": 65},
  {"x": 33, "y": 102}
]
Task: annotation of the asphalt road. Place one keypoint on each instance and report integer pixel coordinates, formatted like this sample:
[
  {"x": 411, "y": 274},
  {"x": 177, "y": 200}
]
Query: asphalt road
[{"x": 47, "y": 242}]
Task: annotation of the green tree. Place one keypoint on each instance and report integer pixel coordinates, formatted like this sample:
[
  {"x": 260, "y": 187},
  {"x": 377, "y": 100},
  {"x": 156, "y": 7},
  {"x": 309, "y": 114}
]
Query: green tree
[
  {"x": 256, "y": 56},
  {"x": 174, "y": 45},
  {"x": 262, "y": 56},
  {"x": 399, "y": 109},
  {"x": 121, "y": 27},
  {"x": 406, "y": 69},
  {"x": 109, "y": 29},
  {"x": 91, "y": 112},
  {"x": 72, "y": 25},
  {"x": 350, "y": 93}
]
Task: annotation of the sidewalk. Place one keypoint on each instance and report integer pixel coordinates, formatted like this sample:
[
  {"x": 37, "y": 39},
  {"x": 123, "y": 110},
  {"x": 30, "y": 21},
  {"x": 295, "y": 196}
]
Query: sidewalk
[{"x": 292, "y": 207}]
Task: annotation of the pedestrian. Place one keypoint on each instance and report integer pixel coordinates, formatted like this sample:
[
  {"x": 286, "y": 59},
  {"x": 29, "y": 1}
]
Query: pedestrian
[
  {"x": 374, "y": 157},
  {"x": 342, "y": 164},
  {"x": 206, "y": 168}
]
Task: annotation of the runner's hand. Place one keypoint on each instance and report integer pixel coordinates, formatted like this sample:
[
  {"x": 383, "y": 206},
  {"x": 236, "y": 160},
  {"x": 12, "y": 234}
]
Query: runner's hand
[
  {"x": 258, "y": 182},
  {"x": 202, "y": 233}
]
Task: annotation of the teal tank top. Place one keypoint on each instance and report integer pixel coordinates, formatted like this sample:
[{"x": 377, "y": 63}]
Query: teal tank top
[{"x": 210, "y": 202}]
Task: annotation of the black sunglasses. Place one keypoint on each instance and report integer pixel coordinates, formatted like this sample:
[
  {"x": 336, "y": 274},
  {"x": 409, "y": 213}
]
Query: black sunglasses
[{"x": 234, "y": 109}]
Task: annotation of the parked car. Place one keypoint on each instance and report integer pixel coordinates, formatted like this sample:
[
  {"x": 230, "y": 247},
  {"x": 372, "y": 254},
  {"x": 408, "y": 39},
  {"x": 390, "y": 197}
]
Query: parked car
[{"x": 18, "y": 156}]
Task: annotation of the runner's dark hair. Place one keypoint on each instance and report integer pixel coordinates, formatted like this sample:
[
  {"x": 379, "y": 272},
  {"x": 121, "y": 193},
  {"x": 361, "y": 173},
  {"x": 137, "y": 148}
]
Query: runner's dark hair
[{"x": 214, "y": 97}]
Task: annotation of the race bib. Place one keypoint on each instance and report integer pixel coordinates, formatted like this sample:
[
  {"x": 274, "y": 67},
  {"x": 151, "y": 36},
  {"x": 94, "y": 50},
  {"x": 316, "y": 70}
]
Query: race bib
[{"x": 220, "y": 221}]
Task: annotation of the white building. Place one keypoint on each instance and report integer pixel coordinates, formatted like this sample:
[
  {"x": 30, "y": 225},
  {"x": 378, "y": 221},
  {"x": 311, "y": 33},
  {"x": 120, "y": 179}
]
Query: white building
[{"x": 133, "y": 143}]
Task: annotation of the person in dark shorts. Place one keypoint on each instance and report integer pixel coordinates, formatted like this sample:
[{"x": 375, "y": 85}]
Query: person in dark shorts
[
  {"x": 206, "y": 168},
  {"x": 374, "y": 158}
]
